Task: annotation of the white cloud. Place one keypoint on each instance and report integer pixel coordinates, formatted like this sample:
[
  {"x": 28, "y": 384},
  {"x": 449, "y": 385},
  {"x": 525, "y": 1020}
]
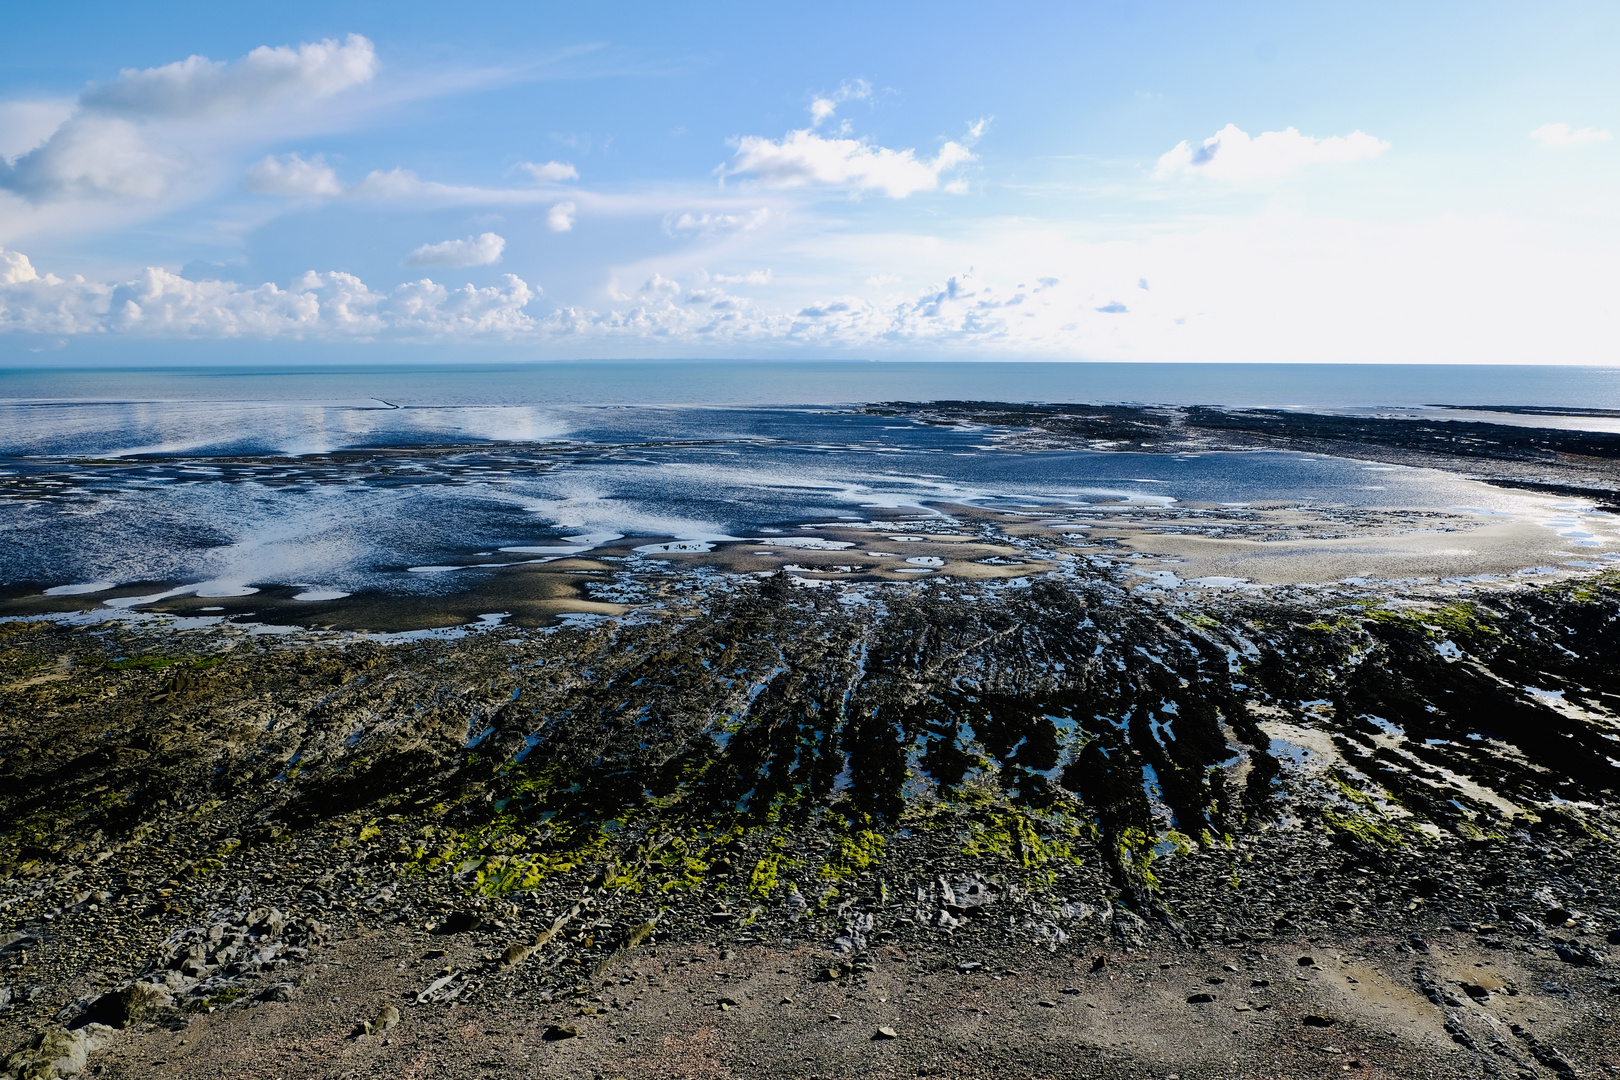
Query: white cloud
[
  {"x": 294, "y": 177},
  {"x": 1230, "y": 154},
  {"x": 705, "y": 223},
  {"x": 133, "y": 137},
  {"x": 480, "y": 250},
  {"x": 660, "y": 286},
  {"x": 551, "y": 172},
  {"x": 1273, "y": 287},
  {"x": 752, "y": 277},
  {"x": 805, "y": 158},
  {"x": 157, "y": 303},
  {"x": 822, "y": 108},
  {"x": 263, "y": 78},
  {"x": 15, "y": 268},
  {"x": 717, "y": 300},
  {"x": 560, "y": 218},
  {"x": 1561, "y": 135}
]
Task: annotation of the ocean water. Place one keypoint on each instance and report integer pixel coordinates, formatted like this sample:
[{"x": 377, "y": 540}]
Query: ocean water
[
  {"x": 1313, "y": 386},
  {"x": 380, "y": 478}
]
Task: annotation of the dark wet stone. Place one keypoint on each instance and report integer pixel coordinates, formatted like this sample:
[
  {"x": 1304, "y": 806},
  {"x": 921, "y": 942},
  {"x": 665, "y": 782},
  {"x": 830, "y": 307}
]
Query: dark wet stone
[
  {"x": 1580, "y": 955},
  {"x": 461, "y": 922}
]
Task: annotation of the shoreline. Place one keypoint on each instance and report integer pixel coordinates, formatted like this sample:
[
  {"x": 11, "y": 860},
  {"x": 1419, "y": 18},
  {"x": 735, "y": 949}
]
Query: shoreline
[{"x": 1101, "y": 789}]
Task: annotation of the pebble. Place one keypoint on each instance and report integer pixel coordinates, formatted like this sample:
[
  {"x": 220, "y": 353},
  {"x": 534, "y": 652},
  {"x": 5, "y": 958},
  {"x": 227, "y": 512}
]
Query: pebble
[{"x": 886, "y": 1033}]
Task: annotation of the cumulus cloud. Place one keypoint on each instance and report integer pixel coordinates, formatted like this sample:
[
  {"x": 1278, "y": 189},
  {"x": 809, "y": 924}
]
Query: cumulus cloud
[
  {"x": 15, "y": 268},
  {"x": 157, "y": 303},
  {"x": 1560, "y": 135},
  {"x": 551, "y": 172},
  {"x": 132, "y": 137},
  {"x": 480, "y": 250},
  {"x": 560, "y": 218},
  {"x": 660, "y": 287},
  {"x": 822, "y": 108},
  {"x": 804, "y": 158},
  {"x": 716, "y": 300},
  {"x": 1230, "y": 154},
  {"x": 293, "y": 177},
  {"x": 705, "y": 223}
]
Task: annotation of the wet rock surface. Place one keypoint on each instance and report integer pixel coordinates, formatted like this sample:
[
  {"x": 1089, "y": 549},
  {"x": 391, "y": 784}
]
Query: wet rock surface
[
  {"x": 1577, "y": 463},
  {"x": 1058, "y": 827}
]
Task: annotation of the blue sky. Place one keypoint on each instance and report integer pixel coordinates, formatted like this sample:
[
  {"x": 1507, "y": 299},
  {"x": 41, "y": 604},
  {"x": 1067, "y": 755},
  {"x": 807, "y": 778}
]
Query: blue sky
[{"x": 1147, "y": 181}]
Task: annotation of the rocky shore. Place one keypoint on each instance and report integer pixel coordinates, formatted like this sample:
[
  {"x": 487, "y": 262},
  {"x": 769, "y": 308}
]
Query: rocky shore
[{"x": 1052, "y": 826}]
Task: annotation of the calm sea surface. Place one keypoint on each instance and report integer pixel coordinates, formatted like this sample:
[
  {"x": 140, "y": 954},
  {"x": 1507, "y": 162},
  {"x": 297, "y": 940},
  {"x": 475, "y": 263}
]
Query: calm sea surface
[{"x": 338, "y": 479}]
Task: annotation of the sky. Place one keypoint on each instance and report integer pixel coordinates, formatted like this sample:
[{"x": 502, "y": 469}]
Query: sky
[{"x": 1241, "y": 182}]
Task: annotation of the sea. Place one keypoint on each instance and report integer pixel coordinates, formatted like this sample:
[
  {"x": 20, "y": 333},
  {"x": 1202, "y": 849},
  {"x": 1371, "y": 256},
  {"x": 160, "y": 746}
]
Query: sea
[{"x": 339, "y": 479}]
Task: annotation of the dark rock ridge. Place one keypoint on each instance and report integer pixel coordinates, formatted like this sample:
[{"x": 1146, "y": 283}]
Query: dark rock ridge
[{"x": 1057, "y": 766}]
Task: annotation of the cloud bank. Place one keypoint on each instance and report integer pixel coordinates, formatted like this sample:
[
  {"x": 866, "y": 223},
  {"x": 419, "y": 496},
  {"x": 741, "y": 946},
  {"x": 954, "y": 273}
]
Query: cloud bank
[
  {"x": 1231, "y": 155},
  {"x": 1278, "y": 288},
  {"x": 157, "y": 303}
]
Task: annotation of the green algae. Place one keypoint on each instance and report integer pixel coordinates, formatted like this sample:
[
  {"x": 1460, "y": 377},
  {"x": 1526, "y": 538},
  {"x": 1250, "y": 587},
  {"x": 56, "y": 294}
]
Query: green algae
[
  {"x": 857, "y": 848},
  {"x": 1010, "y": 833},
  {"x": 1463, "y": 618},
  {"x": 768, "y": 870}
]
